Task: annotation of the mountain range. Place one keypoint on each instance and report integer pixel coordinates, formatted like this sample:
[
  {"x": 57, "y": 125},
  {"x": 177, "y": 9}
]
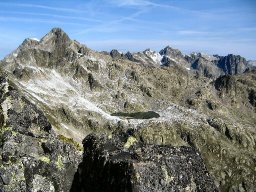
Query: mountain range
[{"x": 75, "y": 119}]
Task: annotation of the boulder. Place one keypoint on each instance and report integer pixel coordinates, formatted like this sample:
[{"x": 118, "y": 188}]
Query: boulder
[{"x": 122, "y": 163}]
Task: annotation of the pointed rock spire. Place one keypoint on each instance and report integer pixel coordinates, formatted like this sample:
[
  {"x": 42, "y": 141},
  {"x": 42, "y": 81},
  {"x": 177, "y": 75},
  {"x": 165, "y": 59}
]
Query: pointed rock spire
[
  {"x": 56, "y": 38},
  {"x": 56, "y": 33},
  {"x": 169, "y": 51}
]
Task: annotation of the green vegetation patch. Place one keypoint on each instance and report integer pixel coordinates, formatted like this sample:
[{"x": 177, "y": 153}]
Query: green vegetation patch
[{"x": 70, "y": 141}]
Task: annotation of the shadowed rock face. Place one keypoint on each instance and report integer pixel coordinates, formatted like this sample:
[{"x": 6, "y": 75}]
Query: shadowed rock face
[
  {"x": 232, "y": 64},
  {"x": 115, "y": 54},
  {"x": 121, "y": 163},
  {"x": 214, "y": 66}
]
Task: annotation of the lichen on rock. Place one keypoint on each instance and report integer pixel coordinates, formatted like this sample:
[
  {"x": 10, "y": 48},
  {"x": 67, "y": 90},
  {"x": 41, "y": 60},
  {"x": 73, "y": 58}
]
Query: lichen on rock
[
  {"x": 30, "y": 152},
  {"x": 107, "y": 166}
]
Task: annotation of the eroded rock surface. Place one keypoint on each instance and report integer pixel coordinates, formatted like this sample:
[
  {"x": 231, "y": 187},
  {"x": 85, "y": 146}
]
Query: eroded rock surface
[
  {"x": 121, "y": 163},
  {"x": 32, "y": 156}
]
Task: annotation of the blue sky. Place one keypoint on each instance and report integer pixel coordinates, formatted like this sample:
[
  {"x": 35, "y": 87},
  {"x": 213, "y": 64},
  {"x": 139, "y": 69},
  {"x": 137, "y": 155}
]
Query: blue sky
[{"x": 210, "y": 26}]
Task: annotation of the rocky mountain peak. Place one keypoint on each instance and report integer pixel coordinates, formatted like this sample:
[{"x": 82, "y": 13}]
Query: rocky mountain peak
[
  {"x": 54, "y": 50},
  {"x": 148, "y": 50},
  {"x": 232, "y": 64},
  {"x": 55, "y": 38},
  {"x": 155, "y": 56},
  {"x": 173, "y": 56},
  {"x": 114, "y": 53},
  {"x": 169, "y": 51},
  {"x": 55, "y": 33},
  {"x": 29, "y": 43}
]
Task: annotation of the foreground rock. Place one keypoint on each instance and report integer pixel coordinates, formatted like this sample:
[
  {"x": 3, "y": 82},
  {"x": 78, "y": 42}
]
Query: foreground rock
[
  {"x": 120, "y": 163},
  {"x": 32, "y": 157}
]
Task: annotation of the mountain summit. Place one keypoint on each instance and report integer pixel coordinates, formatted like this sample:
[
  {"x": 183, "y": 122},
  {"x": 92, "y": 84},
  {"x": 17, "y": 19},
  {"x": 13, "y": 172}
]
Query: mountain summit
[
  {"x": 167, "y": 112},
  {"x": 56, "y": 39}
]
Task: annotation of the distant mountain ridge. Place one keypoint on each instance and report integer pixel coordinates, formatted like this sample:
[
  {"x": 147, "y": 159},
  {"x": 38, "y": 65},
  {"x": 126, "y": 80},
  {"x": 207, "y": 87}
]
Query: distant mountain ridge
[{"x": 207, "y": 65}]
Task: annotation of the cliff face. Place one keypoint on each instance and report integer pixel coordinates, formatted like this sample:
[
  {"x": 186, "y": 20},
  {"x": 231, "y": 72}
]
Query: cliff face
[
  {"x": 232, "y": 64},
  {"x": 214, "y": 66},
  {"x": 122, "y": 163},
  {"x": 165, "y": 99}
]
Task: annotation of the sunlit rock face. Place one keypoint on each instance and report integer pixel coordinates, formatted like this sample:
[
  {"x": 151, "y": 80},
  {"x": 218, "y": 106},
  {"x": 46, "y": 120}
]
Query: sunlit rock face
[{"x": 203, "y": 102}]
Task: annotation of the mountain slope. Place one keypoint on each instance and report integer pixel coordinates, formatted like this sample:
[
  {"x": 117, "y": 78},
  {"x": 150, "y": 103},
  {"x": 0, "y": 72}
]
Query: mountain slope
[
  {"x": 83, "y": 91},
  {"x": 32, "y": 156}
]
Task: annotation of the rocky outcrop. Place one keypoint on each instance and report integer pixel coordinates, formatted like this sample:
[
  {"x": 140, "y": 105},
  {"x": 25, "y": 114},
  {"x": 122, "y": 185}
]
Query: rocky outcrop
[
  {"x": 129, "y": 56},
  {"x": 225, "y": 83},
  {"x": 232, "y": 64},
  {"x": 204, "y": 64},
  {"x": 115, "y": 54},
  {"x": 213, "y": 66},
  {"x": 121, "y": 163},
  {"x": 32, "y": 156},
  {"x": 146, "y": 57},
  {"x": 173, "y": 56},
  {"x": 166, "y": 61},
  {"x": 172, "y": 53}
]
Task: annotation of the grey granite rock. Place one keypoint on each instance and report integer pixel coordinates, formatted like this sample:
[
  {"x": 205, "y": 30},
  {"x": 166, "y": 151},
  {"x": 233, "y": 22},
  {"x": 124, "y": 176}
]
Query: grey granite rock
[
  {"x": 121, "y": 163},
  {"x": 32, "y": 156}
]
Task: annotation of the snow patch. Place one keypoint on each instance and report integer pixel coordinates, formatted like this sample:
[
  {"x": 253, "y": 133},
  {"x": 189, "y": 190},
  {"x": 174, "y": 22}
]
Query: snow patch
[
  {"x": 156, "y": 57},
  {"x": 80, "y": 54},
  {"x": 120, "y": 52},
  {"x": 173, "y": 59},
  {"x": 53, "y": 89},
  {"x": 64, "y": 126},
  {"x": 34, "y": 38},
  {"x": 34, "y": 68},
  {"x": 173, "y": 113},
  {"x": 79, "y": 102}
]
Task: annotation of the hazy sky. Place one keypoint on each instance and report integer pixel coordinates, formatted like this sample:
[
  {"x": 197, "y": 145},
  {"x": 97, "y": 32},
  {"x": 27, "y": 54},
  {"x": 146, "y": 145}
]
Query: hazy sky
[{"x": 210, "y": 26}]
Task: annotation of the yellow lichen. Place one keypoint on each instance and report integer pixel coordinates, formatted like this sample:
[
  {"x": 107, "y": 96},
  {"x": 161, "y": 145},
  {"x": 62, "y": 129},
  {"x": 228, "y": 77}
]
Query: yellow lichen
[
  {"x": 110, "y": 136},
  {"x": 167, "y": 177},
  {"x": 130, "y": 141},
  {"x": 59, "y": 163},
  {"x": 44, "y": 159},
  {"x": 70, "y": 141}
]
